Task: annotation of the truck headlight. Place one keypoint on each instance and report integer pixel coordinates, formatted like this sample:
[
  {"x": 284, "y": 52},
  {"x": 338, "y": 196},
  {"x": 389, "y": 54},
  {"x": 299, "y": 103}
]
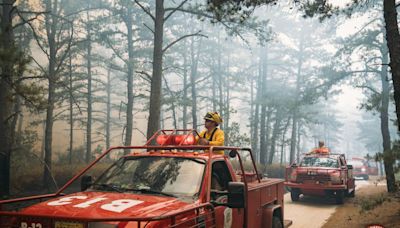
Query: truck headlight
[
  {"x": 335, "y": 178},
  {"x": 101, "y": 225},
  {"x": 293, "y": 176},
  {"x": 363, "y": 169}
]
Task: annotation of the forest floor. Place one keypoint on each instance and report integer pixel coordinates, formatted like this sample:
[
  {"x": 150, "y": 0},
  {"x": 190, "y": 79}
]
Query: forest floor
[{"x": 371, "y": 206}]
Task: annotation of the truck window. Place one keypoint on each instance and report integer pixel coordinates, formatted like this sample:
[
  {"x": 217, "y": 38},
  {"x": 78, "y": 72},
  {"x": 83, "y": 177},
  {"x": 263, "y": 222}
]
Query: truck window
[
  {"x": 319, "y": 162},
  {"x": 180, "y": 177},
  {"x": 220, "y": 176},
  {"x": 342, "y": 161}
]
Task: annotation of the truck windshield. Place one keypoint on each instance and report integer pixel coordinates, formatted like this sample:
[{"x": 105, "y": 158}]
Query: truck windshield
[
  {"x": 319, "y": 162},
  {"x": 355, "y": 163},
  {"x": 170, "y": 176}
]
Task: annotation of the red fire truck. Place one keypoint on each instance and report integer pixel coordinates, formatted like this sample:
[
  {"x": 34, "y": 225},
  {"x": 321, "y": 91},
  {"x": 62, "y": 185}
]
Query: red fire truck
[
  {"x": 172, "y": 184},
  {"x": 363, "y": 168},
  {"x": 321, "y": 174}
]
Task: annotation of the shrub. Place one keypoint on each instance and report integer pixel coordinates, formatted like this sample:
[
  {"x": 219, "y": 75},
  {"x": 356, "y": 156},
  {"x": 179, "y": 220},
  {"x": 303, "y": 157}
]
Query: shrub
[{"x": 370, "y": 203}]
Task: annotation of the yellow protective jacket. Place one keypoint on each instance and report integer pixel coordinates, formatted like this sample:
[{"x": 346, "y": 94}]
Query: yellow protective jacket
[{"x": 216, "y": 138}]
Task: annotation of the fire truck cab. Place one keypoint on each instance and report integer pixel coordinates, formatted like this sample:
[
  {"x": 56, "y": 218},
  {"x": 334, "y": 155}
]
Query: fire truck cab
[
  {"x": 169, "y": 182},
  {"x": 321, "y": 174}
]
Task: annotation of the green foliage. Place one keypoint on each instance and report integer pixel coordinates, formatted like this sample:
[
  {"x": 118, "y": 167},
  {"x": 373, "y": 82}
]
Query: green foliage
[
  {"x": 319, "y": 7},
  {"x": 370, "y": 203},
  {"x": 236, "y": 136},
  {"x": 275, "y": 171}
]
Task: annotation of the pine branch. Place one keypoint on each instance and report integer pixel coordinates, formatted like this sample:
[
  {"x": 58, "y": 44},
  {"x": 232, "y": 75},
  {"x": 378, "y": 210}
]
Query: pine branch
[
  {"x": 147, "y": 11},
  {"x": 148, "y": 28},
  {"x": 174, "y": 10},
  {"x": 181, "y": 38}
]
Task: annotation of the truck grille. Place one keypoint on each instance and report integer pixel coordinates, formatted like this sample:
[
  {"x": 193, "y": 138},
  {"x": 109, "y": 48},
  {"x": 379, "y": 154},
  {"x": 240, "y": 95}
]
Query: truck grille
[{"x": 318, "y": 177}]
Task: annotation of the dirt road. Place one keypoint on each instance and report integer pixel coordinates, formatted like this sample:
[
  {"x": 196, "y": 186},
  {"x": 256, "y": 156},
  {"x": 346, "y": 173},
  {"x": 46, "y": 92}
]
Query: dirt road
[{"x": 312, "y": 212}]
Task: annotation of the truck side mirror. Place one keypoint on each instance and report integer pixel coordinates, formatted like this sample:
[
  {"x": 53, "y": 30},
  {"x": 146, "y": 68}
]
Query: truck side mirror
[
  {"x": 349, "y": 166},
  {"x": 86, "y": 181},
  {"x": 236, "y": 194}
]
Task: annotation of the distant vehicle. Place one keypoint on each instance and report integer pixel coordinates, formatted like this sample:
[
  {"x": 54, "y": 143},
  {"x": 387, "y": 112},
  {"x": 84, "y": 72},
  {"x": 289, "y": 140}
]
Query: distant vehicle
[
  {"x": 173, "y": 184},
  {"x": 363, "y": 168},
  {"x": 372, "y": 168},
  {"x": 321, "y": 174}
]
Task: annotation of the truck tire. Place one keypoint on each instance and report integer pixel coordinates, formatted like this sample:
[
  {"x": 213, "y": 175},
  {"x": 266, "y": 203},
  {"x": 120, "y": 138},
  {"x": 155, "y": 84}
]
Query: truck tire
[
  {"x": 353, "y": 193},
  {"x": 366, "y": 177},
  {"x": 339, "y": 197},
  {"x": 276, "y": 222},
  {"x": 295, "y": 195}
]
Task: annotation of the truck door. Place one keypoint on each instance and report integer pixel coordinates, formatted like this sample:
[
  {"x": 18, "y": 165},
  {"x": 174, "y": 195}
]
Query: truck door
[{"x": 226, "y": 217}]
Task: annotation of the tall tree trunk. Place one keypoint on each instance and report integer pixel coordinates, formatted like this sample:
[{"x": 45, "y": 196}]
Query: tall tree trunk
[
  {"x": 283, "y": 155},
  {"x": 7, "y": 44},
  {"x": 214, "y": 87},
  {"x": 156, "y": 80},
  {"x": 71, "y": 112},
  {"x": 185, "y": 89},
  {"x": 293, "y": 137},
  {"x": 393, "y": 43},
  {"x": 51, "y": 25},
  {"x": 295, "y": 114},
  {"x": 89, "y": 93},
  {"x": 263, "y": 136},
  {"x": 108, "y": 118},
  {"x": 227, "y": 105},
  {"x": 173, "y": 106},
  {"x": 256, "y": 118},
  {"x": 220, "y": 77},
  {"x": 193, "y": 76},
  {"x": 298, "y": 142},
  {"x": 384, "y": 114},
  {"x": 129, "y": 85},
  {"x": 274, "y": 137}
]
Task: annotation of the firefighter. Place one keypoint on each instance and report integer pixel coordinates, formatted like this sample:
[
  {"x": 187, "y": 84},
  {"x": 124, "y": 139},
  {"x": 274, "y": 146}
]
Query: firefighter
[
  {"x": 321, "y": 148},
  {"x": 212, "y": 135}
]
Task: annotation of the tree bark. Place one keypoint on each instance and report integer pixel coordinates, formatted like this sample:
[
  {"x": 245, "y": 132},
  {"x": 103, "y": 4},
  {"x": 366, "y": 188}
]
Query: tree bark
[
  {"x": 283, "y": 157},
  {"x": 393, "y": 43},
  {"x": 108, "y": 115},
  {"x": 295, "y": 114},
  {"x": 263, "y": 136},
  {"x": 384, "y": 117},
  {"x": 256, "y": 122},
  {"x": 89, "y": 93},
  {"x": 156, "y": 80},
  {"x": 185, "y": 89},
  {"x": 51, "y": 25},
  {"x": 227, "y": 102},
  {"x": 293, "y": 137},
  {"x": 193, "y": 76},
  {"x": 129, "y": 85},
  {"x": 298, "y": 142},
  {"x": 71, "y": 112},
  {"x": 220, "y": 77},
  {"x": 274, "y": 137},
  {"x": 7, "y": 44}
]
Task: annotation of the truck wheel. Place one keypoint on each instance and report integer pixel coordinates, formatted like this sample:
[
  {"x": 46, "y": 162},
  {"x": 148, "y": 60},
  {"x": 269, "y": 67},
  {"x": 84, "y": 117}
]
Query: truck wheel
[
  {"x": 276, "y": 222},
  {"x": 295, "y": 195},
  {"x": 353, "y": 193},
  {"x": 339, "y": 196},
  {"x": 366, "y": 177}
]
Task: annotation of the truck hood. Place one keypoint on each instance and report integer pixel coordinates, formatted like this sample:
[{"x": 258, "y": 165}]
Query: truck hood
[{"x": 107, "y": 204}]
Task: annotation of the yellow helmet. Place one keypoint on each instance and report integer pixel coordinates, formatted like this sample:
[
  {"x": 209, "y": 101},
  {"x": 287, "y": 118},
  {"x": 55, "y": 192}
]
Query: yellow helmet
[{"x": 213, "y": 116}]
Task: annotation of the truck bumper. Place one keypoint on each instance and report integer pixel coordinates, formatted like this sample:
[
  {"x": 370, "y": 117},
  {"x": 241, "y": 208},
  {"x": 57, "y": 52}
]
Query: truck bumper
[{"x": 315, "y": 186}]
